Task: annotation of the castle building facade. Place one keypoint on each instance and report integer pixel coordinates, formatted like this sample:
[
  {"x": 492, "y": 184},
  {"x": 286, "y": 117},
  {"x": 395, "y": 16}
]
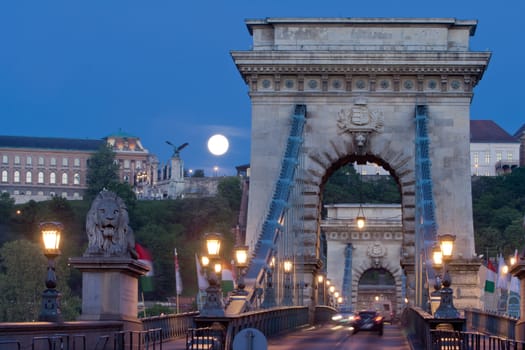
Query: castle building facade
[{"x": 39, "y": 168}]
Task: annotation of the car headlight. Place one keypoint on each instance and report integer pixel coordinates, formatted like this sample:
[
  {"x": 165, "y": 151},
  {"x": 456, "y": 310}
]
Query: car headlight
[{"x": 337, "y": 317}]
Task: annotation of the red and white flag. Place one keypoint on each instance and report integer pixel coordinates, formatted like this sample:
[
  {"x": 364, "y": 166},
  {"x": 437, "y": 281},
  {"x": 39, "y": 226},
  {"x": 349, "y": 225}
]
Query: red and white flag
[
  {"x": 178, "y": 280},
  {"x": 145, "y": 257}
]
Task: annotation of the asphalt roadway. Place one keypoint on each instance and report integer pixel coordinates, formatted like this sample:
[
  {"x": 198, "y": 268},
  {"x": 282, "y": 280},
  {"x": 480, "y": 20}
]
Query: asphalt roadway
[{"x": 328, "y": 336}]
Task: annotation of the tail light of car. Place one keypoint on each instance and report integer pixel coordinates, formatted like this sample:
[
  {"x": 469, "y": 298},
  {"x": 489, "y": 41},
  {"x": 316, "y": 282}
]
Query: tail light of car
[
  {"x": 357, "y": 318},
  {"x": 378, "y": 319}
]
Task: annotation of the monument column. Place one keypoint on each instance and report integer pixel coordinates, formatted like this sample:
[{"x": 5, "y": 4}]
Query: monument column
[
  {"x": 518, "y": 270},
  {"x": 110, "y": 289},
  {"x": 109, "y": 266}
]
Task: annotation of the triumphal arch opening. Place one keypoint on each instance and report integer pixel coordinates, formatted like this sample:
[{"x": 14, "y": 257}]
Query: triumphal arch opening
[{"x": 362, "y": 82}]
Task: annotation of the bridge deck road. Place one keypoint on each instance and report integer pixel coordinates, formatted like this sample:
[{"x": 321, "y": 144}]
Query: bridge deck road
[
  {"x": 338, "y": 337},
  {"x": 327, "y": 337}
]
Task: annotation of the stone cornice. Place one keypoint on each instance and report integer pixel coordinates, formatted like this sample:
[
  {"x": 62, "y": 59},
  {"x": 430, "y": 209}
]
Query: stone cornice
[
  {"x": 361, "y": 63},
  {"x": 360, "y": 69}
]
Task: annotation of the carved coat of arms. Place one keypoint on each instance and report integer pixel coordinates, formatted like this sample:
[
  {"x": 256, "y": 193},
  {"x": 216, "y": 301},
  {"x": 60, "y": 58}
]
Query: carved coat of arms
[
  {"x": 376, "y": 251},
  {"x": 359, "y": 121}
]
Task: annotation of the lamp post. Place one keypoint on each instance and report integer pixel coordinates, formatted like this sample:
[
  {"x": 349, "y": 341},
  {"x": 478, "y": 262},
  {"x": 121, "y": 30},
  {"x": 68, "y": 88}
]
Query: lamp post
[
  {"x": 214, "y": 305},
  {"x": 241, "y": 262},
  {"x": 331, "y": 291},
  {"x": 446, "y": 307},
  {"x": 288, "y": 285},
  {"x": 269, "y": 292},
  {"x": 320, "y": 289},
  {"x": 50, "y": 311}
]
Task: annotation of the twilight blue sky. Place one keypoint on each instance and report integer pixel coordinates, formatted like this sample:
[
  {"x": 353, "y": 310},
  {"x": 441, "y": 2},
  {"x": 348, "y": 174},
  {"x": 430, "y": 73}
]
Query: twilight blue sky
[{"x": 162, "y": 70}]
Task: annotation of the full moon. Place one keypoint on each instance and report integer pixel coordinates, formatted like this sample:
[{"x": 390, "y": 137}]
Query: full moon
[{"x": 218, "y": 145}]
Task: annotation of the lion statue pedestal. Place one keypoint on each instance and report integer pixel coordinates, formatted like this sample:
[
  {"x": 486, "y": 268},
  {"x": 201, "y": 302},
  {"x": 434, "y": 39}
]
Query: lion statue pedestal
[
  {"x": 110, "y": 288},
  {"x": 109, "y": 266}
]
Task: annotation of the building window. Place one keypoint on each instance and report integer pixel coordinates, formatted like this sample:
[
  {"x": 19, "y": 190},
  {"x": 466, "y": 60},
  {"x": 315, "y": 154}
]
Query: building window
[
  {"x": 17, "y": 160},
  {"x": 29, "y": 160},
  {"x": 29, "y": 177},
  {"x": 53, "y": 161},
  {"x": 52, "y": 178},
  {"x": 509, "y": 156},
  {"x": 5, "y": 159},
  {"x": 4, "y": 176},
  {"x": 76, "y": 179},
  {"x": 76, "y": 162},
  {"x": 40, "y": 177},
  {"x": 499, "y": 156},
  {"x": 41, "y": 161},
  {"x": 138, "y": 164},
  {"x": 64, "y": 179},
  {"x": 16, "y": 176},
  {"x": 475, "y": 157},
  {"x": 65, "y": 162},
  {"x": 487, "y": 158},
  {"x": 126, "y": 163}
]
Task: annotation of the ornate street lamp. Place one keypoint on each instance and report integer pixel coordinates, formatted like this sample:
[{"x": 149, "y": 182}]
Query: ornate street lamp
[
  {"x": 214, "y": 305},
  {"x": 287, "y": 295},
  {"x": 360, "y": 219},
  {"x": 50, "y": 311},
  {"x": 241, "y": 262},
  {"x": 446, "y": 307}
]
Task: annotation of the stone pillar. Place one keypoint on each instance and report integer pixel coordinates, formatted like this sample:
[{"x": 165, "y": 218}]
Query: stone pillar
[
  {"x": 518, "y": 270},
  {"x": 176, "y": 180},
  {"x": 465, "y": 285},
  {"x": 110, "y": 289}
]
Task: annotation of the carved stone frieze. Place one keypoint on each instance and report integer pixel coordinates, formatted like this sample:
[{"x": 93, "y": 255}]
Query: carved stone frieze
[
  {"x": 359, "y": 121},
  {"x": 376, "y": 251}
]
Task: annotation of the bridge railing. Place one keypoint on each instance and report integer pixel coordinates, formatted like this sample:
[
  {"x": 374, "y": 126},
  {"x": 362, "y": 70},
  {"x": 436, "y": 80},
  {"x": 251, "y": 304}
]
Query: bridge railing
[
  {"x": 270, "y": 322},
  {"x": 491, "y": 323},
  {"x": 172, "y": 325},
  {"x": 445, "y": 340},
  {"x": 78, "y": 335},
  {"x": 416, "y": 323}
]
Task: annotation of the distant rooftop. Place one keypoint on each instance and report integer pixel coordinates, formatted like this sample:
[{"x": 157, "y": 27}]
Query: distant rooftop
[
  {"x": 49, "y": 143},
  {"x": 487, "y": 131}
]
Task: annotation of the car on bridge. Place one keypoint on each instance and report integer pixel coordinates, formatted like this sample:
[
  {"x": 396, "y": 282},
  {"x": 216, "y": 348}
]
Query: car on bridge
[
  {"x": 368, "y": 320},
  {"x": 344, "y": 316}
]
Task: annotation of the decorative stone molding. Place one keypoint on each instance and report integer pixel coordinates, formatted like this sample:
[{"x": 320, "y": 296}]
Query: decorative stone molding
[
  {"x": 376, "y": 251},
  {"x": 359, "y": 121}
]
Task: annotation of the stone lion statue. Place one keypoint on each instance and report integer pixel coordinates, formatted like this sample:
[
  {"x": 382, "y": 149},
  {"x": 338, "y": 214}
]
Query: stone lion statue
[{"x": 107, "y": 227}]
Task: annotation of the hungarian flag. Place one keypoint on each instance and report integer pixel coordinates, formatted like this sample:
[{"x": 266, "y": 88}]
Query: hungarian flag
[
  {"x": 490, "y": 279},
  {"x": 146, "y": 281},
  {"x": 502, "y": 274},
  {"x": 178, "y": 280}
]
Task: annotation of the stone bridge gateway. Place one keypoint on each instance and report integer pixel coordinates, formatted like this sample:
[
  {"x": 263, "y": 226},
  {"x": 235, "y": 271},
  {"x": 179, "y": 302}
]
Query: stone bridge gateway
[{"x": 361, "y": 81}]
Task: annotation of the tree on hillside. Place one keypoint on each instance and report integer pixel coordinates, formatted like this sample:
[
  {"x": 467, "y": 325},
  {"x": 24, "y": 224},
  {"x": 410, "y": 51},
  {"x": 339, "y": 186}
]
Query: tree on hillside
[
  {"x": 102, "y": 173},
  {"x": 7, "y": 204},
  {"x": 347, "y": 186},
  {"x": 229, "y": 188},
  {"x": 23, "y": 267},
  {"x": 498, "y": 204}
]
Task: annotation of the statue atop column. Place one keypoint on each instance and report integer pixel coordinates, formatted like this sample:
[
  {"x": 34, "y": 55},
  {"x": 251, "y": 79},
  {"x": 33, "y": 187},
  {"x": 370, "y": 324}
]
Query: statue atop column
[
  {"x": 107, "y": 227},
  {"x": 177, "y": 149}
]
